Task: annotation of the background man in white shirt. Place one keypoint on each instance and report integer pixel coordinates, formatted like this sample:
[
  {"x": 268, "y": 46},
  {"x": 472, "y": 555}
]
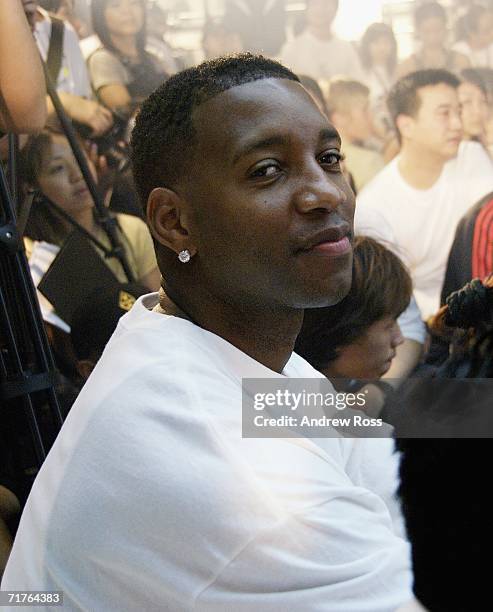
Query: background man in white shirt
[
  {"x": 151, "y": 499},
  {"x": 414, "y": 204},
  {"x": 316, "y": 51}
]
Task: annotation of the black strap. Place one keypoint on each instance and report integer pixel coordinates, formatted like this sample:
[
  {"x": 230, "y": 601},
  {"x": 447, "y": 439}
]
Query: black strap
[{"x": 55, "y": 50}]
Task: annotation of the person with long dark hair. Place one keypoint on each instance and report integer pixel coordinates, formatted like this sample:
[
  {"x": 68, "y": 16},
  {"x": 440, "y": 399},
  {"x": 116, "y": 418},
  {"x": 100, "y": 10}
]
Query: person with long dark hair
[
  {"x": 48, "y": 165},
  {"x": 378, "y": 57},
  {"x": 474, "y": 35},
  {"x": 122, "y": 71},
  {"x": 473, "y": 98},
  {"x": 430, "y": 27}
]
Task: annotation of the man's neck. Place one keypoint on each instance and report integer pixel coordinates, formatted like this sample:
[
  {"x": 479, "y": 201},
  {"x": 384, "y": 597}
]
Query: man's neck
[
  {"x": 434, "y": 55},
  {"x": 321, "y": 32},
  {"x": 420, "y": 168},
  {"x": 267, "y": 335}
]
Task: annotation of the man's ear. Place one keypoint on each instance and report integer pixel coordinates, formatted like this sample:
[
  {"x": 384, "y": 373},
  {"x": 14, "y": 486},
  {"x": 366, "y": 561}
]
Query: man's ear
[
  {"x": 405, "y": 125},
  {"x": 168, "y": 220}
]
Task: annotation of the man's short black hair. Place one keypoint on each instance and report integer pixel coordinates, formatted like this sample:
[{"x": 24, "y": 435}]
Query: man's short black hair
[
  {"x": 163, "y": 137},
  {"x": 403, "y": 98}
]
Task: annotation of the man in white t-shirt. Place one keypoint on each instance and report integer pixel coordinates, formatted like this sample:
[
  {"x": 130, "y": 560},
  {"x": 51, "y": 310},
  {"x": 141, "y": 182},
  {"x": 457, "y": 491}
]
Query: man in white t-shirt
[
  {"x": 316, "y": 51},
  {"x": 150, "y": 498},
  {"x": 416, "y": 201}
]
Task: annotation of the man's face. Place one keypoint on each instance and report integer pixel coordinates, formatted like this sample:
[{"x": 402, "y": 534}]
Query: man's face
[
  {"x": 321, "y": 13},
  {"x": 359, "y": 118},
  {"x": 265, "y": 188},
  {"x": 437, "y": 126},
  {"x": 369, "y": 356},
  {"x": 474, "y": 109},
  {"x": 433, "y": 32},
  {"x": 60, "y": 179}
]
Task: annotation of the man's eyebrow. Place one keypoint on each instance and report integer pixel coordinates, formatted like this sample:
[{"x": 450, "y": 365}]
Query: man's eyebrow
[
  {"x": 329, "y": 133},
  {"x": 256, "y": 145}
]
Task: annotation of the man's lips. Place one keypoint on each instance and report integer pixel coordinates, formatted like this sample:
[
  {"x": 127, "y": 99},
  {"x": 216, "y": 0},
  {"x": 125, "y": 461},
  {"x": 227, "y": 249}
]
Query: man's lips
[
  {"x": 333, "y": 240},
  {"x": 339, "y": 247}
]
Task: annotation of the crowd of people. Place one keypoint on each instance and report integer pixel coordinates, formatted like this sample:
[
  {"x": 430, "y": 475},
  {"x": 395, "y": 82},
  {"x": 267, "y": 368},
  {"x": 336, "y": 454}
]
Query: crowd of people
[{"x": 231, "y": 187}]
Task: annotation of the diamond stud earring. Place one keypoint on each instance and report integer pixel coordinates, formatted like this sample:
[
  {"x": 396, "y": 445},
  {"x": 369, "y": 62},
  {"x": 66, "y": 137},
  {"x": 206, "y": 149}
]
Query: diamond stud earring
[{"x": 184, "y": 256}]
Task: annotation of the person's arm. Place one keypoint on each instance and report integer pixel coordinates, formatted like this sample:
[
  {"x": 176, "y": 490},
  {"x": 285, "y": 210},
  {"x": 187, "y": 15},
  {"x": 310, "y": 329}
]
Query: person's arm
[
  {"x": 109, "y": 80},
  {"x": 22, "y": 84},
  {"x": 115, "y": 97},
  {"x": 87, "y": 112},
  {"x": 9, "y": 505}
]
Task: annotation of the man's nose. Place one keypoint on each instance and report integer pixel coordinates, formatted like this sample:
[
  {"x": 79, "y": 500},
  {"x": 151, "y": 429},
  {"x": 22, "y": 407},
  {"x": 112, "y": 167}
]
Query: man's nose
[
  {"x": 318, "y": 191},
  {"x": 456, "y": 121}
]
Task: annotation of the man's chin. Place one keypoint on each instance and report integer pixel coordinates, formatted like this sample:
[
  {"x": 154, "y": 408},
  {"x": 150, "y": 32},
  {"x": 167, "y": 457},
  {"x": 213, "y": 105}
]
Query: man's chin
[{"x": 328, "y": 296}]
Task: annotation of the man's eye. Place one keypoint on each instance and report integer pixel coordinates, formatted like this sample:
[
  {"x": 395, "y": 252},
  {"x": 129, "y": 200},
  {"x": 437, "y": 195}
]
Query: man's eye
[
  {"x": 267, "y": 171},
  {"x": 331, "y": 158}
]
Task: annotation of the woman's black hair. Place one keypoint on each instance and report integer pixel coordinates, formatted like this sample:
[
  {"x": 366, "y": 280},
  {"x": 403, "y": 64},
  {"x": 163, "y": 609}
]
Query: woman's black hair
[
  {"x": 98, "y": 8},
  {"x": 373, "y": 33},
  {"x": 471, "y": 75},
  {"x": 468, "y": 24},
  {"x": 44, "y": 223}
]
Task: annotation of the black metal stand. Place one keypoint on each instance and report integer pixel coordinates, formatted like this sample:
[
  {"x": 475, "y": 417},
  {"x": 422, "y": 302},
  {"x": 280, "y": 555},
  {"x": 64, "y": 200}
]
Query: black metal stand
[{"x": 27, "y": 369}]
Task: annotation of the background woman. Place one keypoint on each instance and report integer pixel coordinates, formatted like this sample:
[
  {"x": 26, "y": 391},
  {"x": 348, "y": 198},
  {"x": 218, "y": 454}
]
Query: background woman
[
  {"x": 122, "y": 71},
  {"x": 474, "y": 105},
  {"x": 49, "y": 166},
  {"x": 378, "y": 55},
  {"x": 430, "y": 26},
  {"x": 474, "y": 33}
]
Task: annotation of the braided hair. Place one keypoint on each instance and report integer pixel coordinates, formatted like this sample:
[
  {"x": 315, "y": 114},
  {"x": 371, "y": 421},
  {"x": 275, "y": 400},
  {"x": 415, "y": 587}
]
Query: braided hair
[{"x": 467, "y": 321}]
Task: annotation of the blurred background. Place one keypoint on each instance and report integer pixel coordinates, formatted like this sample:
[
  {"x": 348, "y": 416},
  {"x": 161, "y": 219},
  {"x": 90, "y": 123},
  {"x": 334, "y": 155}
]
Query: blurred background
[{"x": 187, "y": 17}]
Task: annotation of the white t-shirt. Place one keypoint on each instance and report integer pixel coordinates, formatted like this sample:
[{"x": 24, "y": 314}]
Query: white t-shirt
[
  {"x": 479, "y": 58},
  {"x": 150, "y": 499},
  {"x": 73, "y": 77},
  {"x": 321, "y": 59},
  {"x": 419, "y": 225}
]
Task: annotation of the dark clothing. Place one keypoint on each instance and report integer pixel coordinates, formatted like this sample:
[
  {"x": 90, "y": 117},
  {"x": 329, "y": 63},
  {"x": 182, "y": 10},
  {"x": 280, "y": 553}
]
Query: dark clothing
[{"x": 471, "y": 255}]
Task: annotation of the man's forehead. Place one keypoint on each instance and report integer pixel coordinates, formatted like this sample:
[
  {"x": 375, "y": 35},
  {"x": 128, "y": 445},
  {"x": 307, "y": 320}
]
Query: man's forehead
[
  {"x": 435, "y": 94},
  {"x": 241, "y": 109},
  {"x": 256, "y": 97}
]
